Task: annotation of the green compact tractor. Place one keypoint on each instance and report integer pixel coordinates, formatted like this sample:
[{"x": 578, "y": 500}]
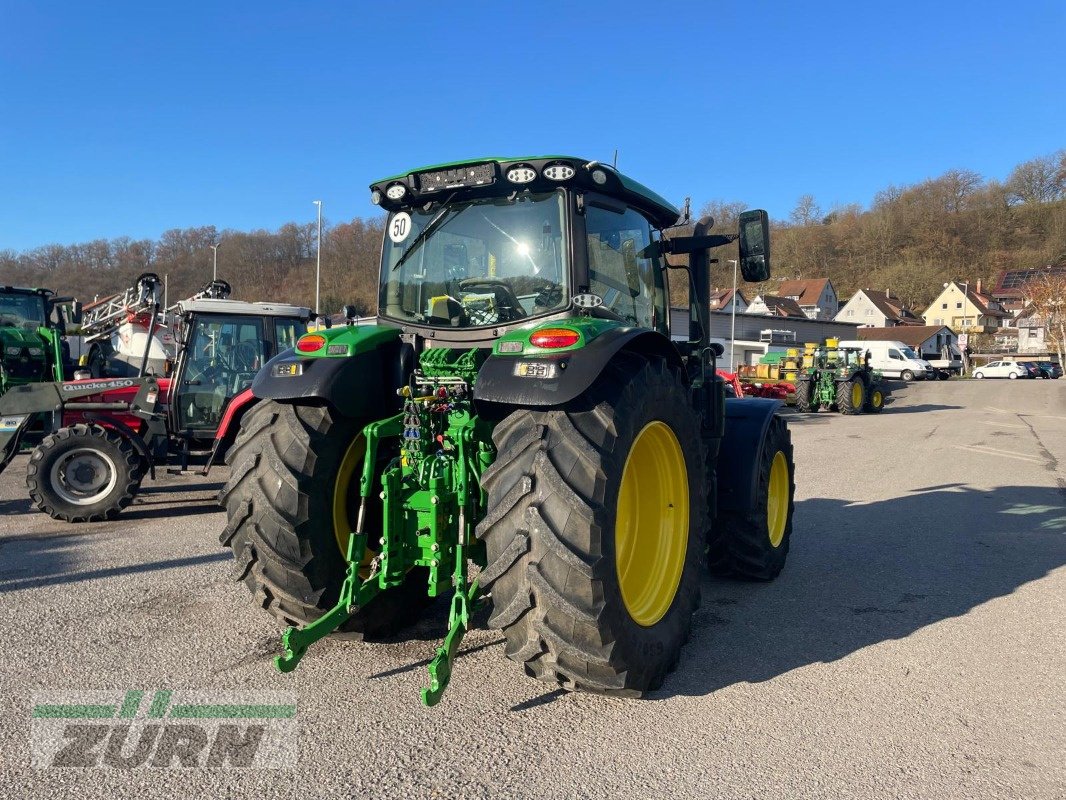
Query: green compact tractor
[
  {"x": 32, "y": 325},
  {"x": 516, "y": 427},
  {"x": 839, "y": 379}
]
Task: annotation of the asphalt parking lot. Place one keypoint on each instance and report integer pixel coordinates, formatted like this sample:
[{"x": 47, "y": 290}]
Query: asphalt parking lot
[{"x": 913, "y": 647}]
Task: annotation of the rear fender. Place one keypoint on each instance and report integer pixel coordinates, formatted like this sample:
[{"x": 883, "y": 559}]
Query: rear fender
[
  {"x": 737, "y": 469},
  {"x": 359, "y": 382},
  {"x": 557, "y": 378}
]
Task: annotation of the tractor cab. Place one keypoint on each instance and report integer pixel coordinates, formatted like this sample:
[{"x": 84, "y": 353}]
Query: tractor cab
[
  {"x": 477, "y": 248},
  {"x": 222, "y": 345},
  {"x": 32, "y": 325}
]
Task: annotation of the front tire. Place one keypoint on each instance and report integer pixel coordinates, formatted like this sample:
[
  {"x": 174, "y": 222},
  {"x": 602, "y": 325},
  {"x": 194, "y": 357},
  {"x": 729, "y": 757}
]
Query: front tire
[
  {"x": 875, "y": 400},
  {"x": 754, "y": 545},
  {"x": 291, "y": 500},
  {"x": 803, "y": 395},
  {"x": 84, "y": 473},
  {"x": 907, "y": 375},
  {"x": 595, "y": 531},
  {"x": 1013, "y": 376}
]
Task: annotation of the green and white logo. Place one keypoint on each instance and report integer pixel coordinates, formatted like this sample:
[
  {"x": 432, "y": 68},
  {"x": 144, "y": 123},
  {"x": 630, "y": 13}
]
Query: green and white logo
[{"x": 164, "y": 729}]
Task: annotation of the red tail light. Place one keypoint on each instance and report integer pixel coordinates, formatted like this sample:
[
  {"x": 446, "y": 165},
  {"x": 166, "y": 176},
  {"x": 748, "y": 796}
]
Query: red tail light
[
  {"x": 311, "y": 343},
  {"x": 554, "y": 337}
]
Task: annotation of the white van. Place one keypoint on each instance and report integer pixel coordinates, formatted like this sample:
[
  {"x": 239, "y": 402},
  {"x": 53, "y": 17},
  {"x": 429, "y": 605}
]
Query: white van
[{"x": 895, "y": 360}]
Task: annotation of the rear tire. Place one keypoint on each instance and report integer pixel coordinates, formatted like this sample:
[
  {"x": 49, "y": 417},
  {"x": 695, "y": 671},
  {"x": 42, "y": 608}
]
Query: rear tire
[
  {"x": 84, "y": 473},
  {"x": 285, "y": 468},
  {"x": 851, "y": 396},
  {"x": 754, "y": 545},
  {"x": 563, "y": 519}
]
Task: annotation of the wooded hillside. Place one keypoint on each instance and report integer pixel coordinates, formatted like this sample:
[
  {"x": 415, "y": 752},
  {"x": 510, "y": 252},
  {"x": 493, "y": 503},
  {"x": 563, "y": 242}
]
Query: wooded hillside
[{"x": 911, "y": 240}]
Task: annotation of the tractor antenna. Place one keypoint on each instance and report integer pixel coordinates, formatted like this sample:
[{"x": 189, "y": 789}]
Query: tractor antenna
[
  {"x": 615, "y": 162},
  {"x": 686, "y": 211}
]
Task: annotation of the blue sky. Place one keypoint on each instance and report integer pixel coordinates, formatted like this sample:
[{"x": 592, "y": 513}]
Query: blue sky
[{"x": 130, "y": 118}]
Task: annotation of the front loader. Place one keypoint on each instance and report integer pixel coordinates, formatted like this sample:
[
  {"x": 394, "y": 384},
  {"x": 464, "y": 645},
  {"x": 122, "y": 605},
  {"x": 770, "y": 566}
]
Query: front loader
[
  {"x": 515, "y": 427},
  {"x": 103, "y": 435}
]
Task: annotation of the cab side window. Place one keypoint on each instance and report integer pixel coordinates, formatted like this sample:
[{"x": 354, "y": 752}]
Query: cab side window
[{"x": 629, "y": 284}]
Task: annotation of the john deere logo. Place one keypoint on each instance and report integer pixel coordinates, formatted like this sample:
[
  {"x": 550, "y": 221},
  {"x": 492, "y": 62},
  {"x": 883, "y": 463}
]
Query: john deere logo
[{"x": 164, "y": 729}]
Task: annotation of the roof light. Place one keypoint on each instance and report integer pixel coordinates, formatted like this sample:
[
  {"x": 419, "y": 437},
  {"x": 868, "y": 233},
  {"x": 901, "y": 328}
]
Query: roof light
[
  {"x": 599, "y": 176},
  {"x": 375, "y": 197},
  {"x": 551, "y": 338},
  {"x": 311, "y": 343},
  {"x": 522, "y": 174},
  {"x": 396, "y": 191},
  {"x": 559, "y": 172}
]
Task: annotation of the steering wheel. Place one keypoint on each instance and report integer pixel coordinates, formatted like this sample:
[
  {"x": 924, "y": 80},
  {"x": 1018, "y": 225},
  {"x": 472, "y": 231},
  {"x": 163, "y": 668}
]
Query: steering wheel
[
  {"x": 503, "y": 292},
  {"x": 244, "y": 357}
]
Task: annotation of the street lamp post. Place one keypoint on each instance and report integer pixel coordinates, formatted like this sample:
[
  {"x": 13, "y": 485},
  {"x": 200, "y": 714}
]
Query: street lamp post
[
  {"x": 733, "y": 322},
  {"x": 214, "y": 265},
  {"x": 318, "y": 264}
]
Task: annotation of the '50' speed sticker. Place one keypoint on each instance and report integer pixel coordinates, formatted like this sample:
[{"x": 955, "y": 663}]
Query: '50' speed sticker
[{"x": 400, "y": 227}]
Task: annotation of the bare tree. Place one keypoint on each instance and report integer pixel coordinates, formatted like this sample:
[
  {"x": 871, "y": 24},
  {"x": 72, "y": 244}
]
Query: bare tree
[
  {"x": 1047, "y": 294},
  {"x": 1041, "y": 180},
  {"x": 806, "y": 211}
]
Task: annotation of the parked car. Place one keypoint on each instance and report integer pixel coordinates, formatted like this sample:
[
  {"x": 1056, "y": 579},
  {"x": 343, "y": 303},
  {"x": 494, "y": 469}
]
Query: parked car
[
  {"x": 1032, "y": 369},
  {"x": 1001, "y": 369},
  {"x": 1049, "y": 369}
]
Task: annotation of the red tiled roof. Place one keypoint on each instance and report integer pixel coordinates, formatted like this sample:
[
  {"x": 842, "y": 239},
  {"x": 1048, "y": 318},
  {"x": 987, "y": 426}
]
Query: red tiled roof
[
  {"x": 1011, "y": 282},
  {"x": 809, "y": 291},
  {"x": 722, "y": 297}
]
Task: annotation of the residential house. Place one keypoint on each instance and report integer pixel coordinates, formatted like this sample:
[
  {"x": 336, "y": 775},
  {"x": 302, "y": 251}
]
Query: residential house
[
  {"x": 1032, "y": 331},
  {"x": 873, "y": 309},
  {"x": 816, "y": 297},
  {"x": 1009, "y": 291},
  {"x": 773, "y": 306},
  {"x": 965, "y": 308},
  {"x": 931, "y": 342},
  {"x": 725, "y": 299}
]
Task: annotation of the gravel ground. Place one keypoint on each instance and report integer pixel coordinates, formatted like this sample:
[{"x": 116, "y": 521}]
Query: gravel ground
[{"x": 913, "y": 647}]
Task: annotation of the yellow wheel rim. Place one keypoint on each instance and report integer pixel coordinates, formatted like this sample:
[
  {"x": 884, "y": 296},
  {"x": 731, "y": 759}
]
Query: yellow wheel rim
[
  {"x": 651, "y": 529},
  {"x": 856, "y": 394},
  {"x": 343, "y": 522},
  {"x": 777, "y": 499},
  {"x": 877, "y": 399}
]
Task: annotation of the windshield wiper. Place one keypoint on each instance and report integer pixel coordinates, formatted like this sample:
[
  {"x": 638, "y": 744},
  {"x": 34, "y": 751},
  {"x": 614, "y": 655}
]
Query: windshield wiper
[{"x": 434, "y": 223}]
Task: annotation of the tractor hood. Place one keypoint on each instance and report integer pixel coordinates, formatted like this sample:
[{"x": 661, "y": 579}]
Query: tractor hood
[{"x": 21, "y": 338}]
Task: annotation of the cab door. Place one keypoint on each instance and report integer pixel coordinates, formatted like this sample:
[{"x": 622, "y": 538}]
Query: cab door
[{"x": 221, "y": 356}]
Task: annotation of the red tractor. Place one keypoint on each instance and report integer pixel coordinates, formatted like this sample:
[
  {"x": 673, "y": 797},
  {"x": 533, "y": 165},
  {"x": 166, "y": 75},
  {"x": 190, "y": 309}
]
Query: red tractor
[{"x": 103, "y": 435}]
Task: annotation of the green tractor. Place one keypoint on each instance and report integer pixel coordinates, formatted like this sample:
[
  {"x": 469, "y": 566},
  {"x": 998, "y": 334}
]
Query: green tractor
[
  {"x": 32, "y": 326},
  {"x": 839, "y": 379},
  {"x": 515, "y": 426}
]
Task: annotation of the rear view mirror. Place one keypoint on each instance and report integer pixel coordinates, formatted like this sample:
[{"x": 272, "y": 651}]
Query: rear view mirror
[
  {"x": 755, "y": 246},
  {"x": 75, "y": 312}
]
